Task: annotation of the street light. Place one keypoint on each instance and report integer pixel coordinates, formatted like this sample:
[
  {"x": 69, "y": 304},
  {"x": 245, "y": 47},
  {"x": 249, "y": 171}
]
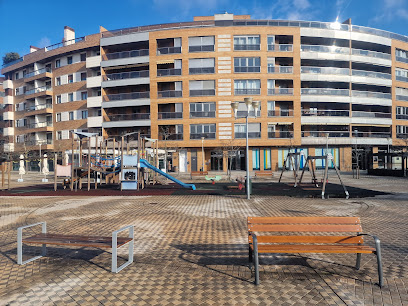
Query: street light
[
  {"x": 202, "y": 150},
  {"x": 255, "y": 105}
]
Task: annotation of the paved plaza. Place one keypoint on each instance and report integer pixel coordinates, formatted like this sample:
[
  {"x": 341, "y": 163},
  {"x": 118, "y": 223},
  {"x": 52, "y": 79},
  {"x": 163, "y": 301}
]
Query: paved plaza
[{"x": 192, "y": 250}]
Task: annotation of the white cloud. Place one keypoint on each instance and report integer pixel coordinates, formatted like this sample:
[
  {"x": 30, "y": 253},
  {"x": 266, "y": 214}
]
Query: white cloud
[
  {"x": 391, "y": 9},
  {"x": 43, "y": 42},
  {"x": 301, "y": 4}
]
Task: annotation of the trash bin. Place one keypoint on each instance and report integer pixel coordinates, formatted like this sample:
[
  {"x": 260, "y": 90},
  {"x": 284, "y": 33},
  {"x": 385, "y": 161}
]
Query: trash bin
[{"x": 250, "y": 186}]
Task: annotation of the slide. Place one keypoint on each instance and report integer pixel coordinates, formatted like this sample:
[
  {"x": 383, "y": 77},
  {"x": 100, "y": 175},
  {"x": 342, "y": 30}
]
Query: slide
[{"x": 145, "y": 164}]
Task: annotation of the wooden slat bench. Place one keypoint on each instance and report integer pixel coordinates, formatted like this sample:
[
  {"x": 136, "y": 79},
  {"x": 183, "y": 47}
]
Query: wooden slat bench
[
  {"x": 263, "y": 173},
  {"x": 45, "y": 238},
  {"x": 295, "y": 243},
  {"x": 199, "y": 173}
]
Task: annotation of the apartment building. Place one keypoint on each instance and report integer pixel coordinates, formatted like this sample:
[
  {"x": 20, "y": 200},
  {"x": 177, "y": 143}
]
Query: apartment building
[{"x": 319, "y": 84}]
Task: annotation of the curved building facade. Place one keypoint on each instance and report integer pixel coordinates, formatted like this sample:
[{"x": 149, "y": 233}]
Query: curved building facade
[{"x": 319, "y": 85}]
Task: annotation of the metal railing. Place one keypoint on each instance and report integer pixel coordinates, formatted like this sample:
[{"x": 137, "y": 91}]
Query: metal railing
[
  {"x": 324, "y": 49},
  {"x": 326, "y": 112},
  {"x": 250, "y": 135},
  {"x": 280, "y": 134},
  {"x": 170, "y": 115},
  {"x": 371, "y": 74},
  {"x": 401, "y": 78},
  {"x": 127, "y": 96},
  {"x": 38, "y": 125},
  {"x": 281, "y": 47},
  {"x": 38, "y": 142},
  {"x": 325, "y": 70},
  {"x": 38, "y": 107},
  {"x": 401, "y": 59},
  {"x": 173, "y": 136},
  {"x": 371, "y": 94},
  {"x": 280, "y": 91},
  {"x": 200, "y": 135},
  {"x": 202, "y": 92},
  {"x": 238, "y": 69},
  {"x": 209, "y": 114},
  {"x": 372, "y": 134},
  {"x": 37, "y": 72},
  {"x": 37, "y": 90},
  {"x": 370, "y": 114},
  {"x": 401, "y": 116},
  {"x": 65, "y": 43},
  {"x": 127, "y": 54},
  {"x": 325, "y": 133},
  {"x": 202, "y": 48},
  {"x": 169, "y": 93},
  {"x": 251, "y": 113},
  {"x": 126, "y": 75},
  {"x": 401, "y": 98},
  {"x": 120, "y": 117},
  {"x": 280, "y": 69},
  {"x": 168, "y": 50},
  {"x": 202, "y": 70},
  {"x": 168, "y": 72},
  {"x": 247, "y": 91},
  {"x": 325, "y": 91},
  {"x": 13, "y": 62},
  {"x": 247, "y": 47},
  {"x": 280, "y": 113},
  {"x": 368, "y": 53}
]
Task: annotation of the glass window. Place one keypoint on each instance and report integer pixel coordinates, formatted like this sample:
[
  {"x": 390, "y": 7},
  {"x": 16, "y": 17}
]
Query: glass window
[
  {"x": 17, "y": 76},
  {"x": 58, "y": 99},
  {"x": 84, "y": 114},
  {"x": 83, "y": 76},
  {"x": 58, "y": 119},
  {"x": 59, "y": 135},
  {"x": 83, "y": 57},
  {"x": 69, "y": 60},
  {"x": 70, "y": 97},
  {"x": 71, "y": 115},
  {"x": 57, "y": 63},
  {"x": 58, "y": 81},
  {"x": 70, "y": 78},
  {"x": 84, "y": 95}
]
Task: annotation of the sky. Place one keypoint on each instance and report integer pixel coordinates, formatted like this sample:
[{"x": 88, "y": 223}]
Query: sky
[{"x": 40, "y": 23}]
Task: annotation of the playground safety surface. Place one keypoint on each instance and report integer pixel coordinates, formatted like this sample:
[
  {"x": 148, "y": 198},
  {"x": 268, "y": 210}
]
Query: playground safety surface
[{"x": 192, "y": 250}]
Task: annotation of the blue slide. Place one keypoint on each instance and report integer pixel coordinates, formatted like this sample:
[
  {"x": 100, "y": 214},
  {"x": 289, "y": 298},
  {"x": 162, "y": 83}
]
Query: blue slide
[{"x": 145, "y": 164}]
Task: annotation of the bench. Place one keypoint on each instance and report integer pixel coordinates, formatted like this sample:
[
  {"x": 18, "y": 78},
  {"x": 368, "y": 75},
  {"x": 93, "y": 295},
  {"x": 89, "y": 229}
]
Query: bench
[
  {"x": 198, "y": 173},
  {"x": 263, "y": 173},
  {"x": 295, "y": 243},
  {"x": 45, "y": 238}
]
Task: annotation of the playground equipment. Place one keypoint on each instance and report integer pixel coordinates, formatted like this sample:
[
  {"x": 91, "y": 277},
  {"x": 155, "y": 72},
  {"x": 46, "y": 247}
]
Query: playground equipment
[
  {"x": 5, "y": 167},
  {"x": 213, "y": 179},
  {"x": 294, "y": 161}
]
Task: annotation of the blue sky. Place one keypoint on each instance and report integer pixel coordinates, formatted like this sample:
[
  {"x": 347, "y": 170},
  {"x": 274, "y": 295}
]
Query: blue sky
[{"x": 40, "y": 23}]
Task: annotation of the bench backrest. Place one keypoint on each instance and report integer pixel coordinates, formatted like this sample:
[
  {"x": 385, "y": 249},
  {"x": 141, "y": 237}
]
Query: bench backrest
[{"x": 305, "y": 225}]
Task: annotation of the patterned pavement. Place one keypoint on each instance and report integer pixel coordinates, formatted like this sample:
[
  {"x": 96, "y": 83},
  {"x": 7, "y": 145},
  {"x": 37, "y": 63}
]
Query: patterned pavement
[{"x": 192, "y": 250}]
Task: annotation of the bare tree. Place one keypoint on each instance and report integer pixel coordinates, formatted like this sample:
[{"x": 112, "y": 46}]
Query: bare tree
[{"x": 229, "y": 150}]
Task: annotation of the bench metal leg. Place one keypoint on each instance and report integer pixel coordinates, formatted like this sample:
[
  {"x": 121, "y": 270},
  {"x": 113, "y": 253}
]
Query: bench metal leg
[
  {"x": 358, "y": 261},
  {"x": 20, "y": 243},
  {"x": 256, "y": 259},
  {"x": 115, "y": 268},
  {"x": 379, "y": 262}
]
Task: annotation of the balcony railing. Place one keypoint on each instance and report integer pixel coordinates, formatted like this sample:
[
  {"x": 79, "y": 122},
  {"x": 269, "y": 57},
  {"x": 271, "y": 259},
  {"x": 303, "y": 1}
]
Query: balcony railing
[
  {"x": 250, "y": 135},
  {"x": 202, "y": 92},
  {"x": 325, "y": 133},
  {"x": 326, "y": 112},
  {"x": 168, "y": 50},
  {"x": 371, "y": 94},
  {"x": 126, "y": 117},
  {"x": 243, "y": 114},
  {"x": 202, "y": 70},
  {"x": 402, "y": 135},
  {"x": 402, "y": 98},
  {"x": 37, "y": 90},
  {"x": 402, "y": 59},
  {"x": 38, "y": 107},
  {"x": 281, "y": 48},
  {"x": 200, "y": 135},
  {"x": 402, "y": 116},
  {"x": 202, "y": 48},
  {"x": 248, "y": 91},
  {"x": 401, "y": 78},
  {"x": 13, "y": 62},
  {"x": 37, "y": 72},
  {"x": 370, "y": 114},
  {"x": 325, "y": 91},
  {"x": 324, "y": 49},
  {"x": 128, "y": 96},
  {"x": 280, "y": 91},
  {"x": 170, "y": 115},
  {"x": 247, "y": 69},
  {"x": 126, "y": 75},
  {"x": 174, "y": 136},
  {"x": 168, "y": 72},
  {"x": 372, "y": 134},
  {"x": 127, "y": 54},
  {"x": 280, "y": 134},
  {"x": 170, "y": 94},
  {"x": 325, "y": 70},
  {"x": 38, "y": 125},
  {"x": 39, "y": 142},
  {"x": 280, "y": 69},
  {"x": 210, "y": 114},
  {"x": 371, "y": 74},
  {"x": 368, "y": 53},
  {"x": 248, "y": 47},
  {"x": 280, "y": 113}
]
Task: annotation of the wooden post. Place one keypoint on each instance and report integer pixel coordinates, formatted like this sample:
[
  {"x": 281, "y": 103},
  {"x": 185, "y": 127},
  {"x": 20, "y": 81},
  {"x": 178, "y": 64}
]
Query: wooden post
[
  {"x": 3, "y": 165},
  {"x": 10, "y": 165},
  {"x": 80, "y": 163},
  {"x": 89, "y": 163},
  {"x": 121, "y": 164},
  {"x": 72, "y": 162},
  {"x": 55, "y": 171},
  {"x": 138, "y": 161}
]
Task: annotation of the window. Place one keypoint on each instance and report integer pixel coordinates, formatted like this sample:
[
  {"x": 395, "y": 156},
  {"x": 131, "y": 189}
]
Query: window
[
  {"x": 254, "y": 130},
  {"x": 247, "y": 87},
  {"x": 243, "y": 111},
  {"x": 71, "y": 115},
  {"x": 401, "y": 75},
  {"x": 202, "y": 88},
  {"x": 255, "y": 159},
  {"x": 70, "y": 78},
  {"x": 69, "y": 60},
  {"x": 401, "y": 94},
  {"x": 70, "y": 97},
  {"x": 84, "y": 114},
  {"x": 59, "y": 135},
  {"x": 83, "y": 76},
  {"x": 84, "y": 95},
  {"x": 202, "y": 110},
  {"x": 24, "y": 73},
  {"x": 250, "y": 42},
  {"x": 271, "y": 43},
  {"x": 267, "y": 159},
  {"x": 247, "y": 64},
  {"x": 201, "y": 43},
  {"x": 17, "y": 76},
  {"x": 401, "y": 55},
  {"x": 98, "y": 112},
  {"x": 402, "y": 131},
  {"x": 58, "y": 81},
  {"x": 201, "y": 65},
  {"x": 57, "y": 63},
  {"x": 58, "y": 99},
  {"x": 99, "y": 93},
  {"x": 58, "y": 119},
  {"x": 202, "y": 130},
  {"x": 83, "y": 57}
]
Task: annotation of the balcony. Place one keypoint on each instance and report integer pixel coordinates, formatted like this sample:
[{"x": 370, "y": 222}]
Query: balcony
[
  {"x": 401, "y": 78},
  {"x": 371, "y": 114},
  {"x": 401, "y": 59},
  {"x": 38, "y": 109},
  {"x": 195, "y": 136},
  {"x": 168, "y": 50},
  {"x": 248, "y": 47},
  {"x": 280, "y": 92},
  {"x": 39, "y": 142},
  {"x": 370, "y": 94},
  {"x": 127, "y": 54},
  {"x": 202, "y": 48},
  {"x": 280, "y": 48},
  {"x": 325, "y": 70},
  {"x": 247, "y": 91},
  {"x": 94, "y": 81},
  {"x": 372, "y": 134},
  {"x": 93, "y": 61},
  {"x": 280, "y": 113},
  {"x": 94, "y": 101},
  {"x": 239, "y": 135},
  {"x": 127, "y": 117},
  {"x": 38, "y": 72},
  {"x": 37, "y": 125},
  {"x": 42, "y": 89},
  {"x": 326, "y": 113},
  {"x": 371, "y": 74},
  {"x": 126, "y": 75},
  {"x": 325, "y": 49},
  {"x": 374, "y": 54},
  {"x": 372, "y": 57},
  {"x": 281, "y": 69},
  {"x": 209, "y": 114},
  {"x": 172, "y": 136},
  {"x": 325, "y": 92},
  {"x": 280, "y": 134},
  {"x": 325, "y": 133},
  {"x": 7, "y": 84},
  {"x": 401, "y": 117},
  {"x": 202, "y": 70},
  {"x": 247, "y": 69},
  {"x": 402, "y": 98},
  {"x": 128, "y": 96},
  {"x": 169, "y": 94},
  {"x": 170, "y": 115},
  {"x": 168, "y": 72},
  {"x": 94, "y": 121},
  {"x": 202, "y": 92}
]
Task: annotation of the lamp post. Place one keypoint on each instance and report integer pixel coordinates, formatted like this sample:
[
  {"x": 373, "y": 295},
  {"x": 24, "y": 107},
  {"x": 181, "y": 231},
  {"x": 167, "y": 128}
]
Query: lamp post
[
  {"x": 255, "y": 105},
  {"x": 202, "y": 150}
]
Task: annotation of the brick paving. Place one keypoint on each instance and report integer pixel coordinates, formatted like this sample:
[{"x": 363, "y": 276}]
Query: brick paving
[{"x": 192, "y": 250}]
